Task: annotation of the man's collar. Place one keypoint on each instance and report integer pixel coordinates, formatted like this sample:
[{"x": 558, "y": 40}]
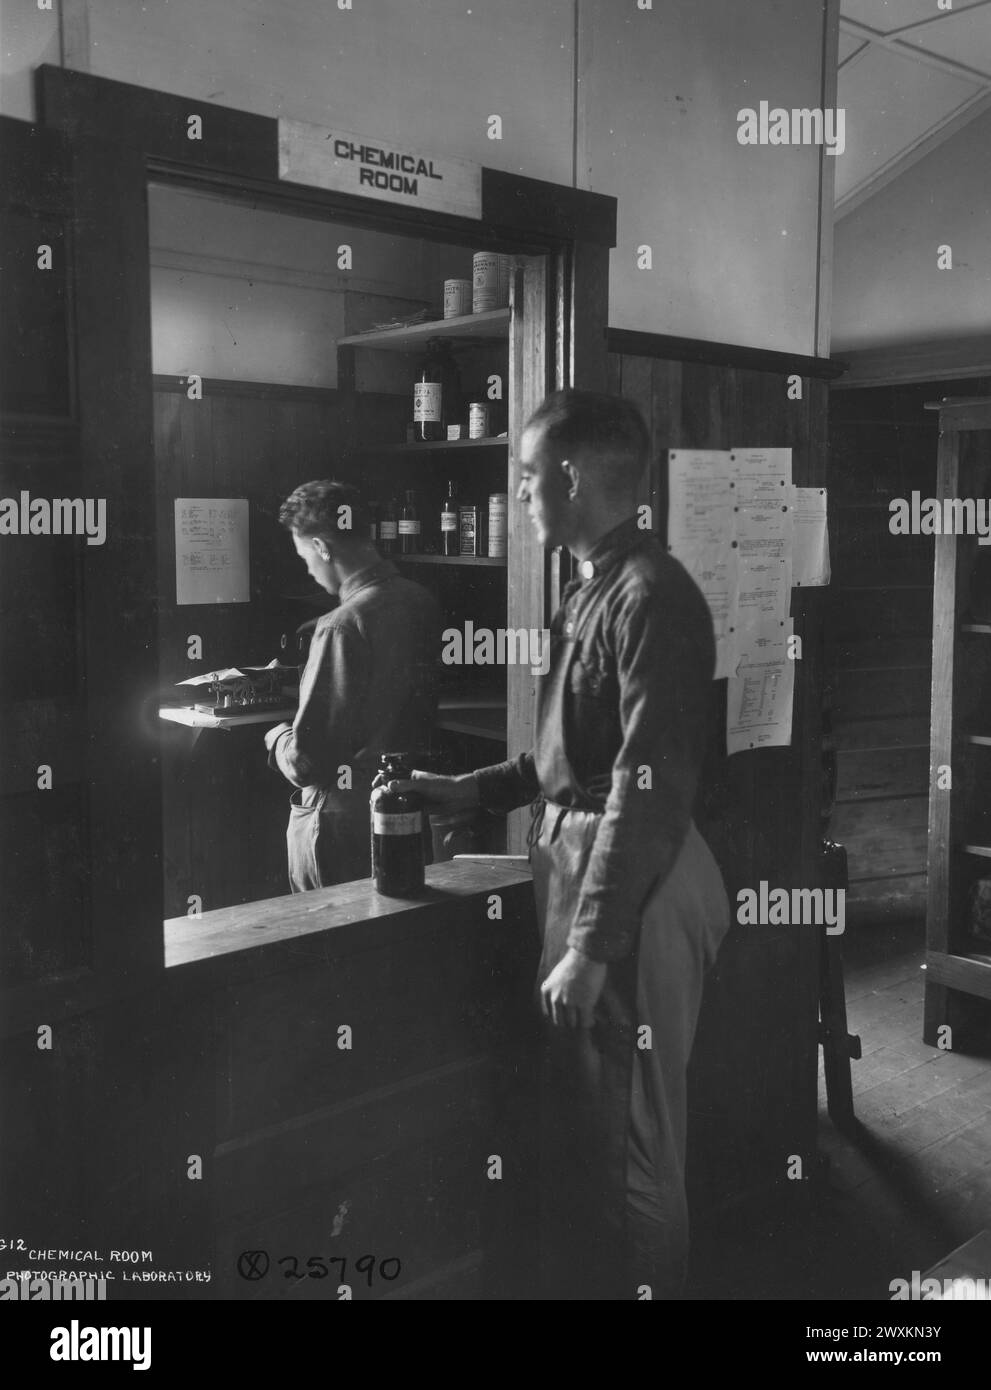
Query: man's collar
[
  {"x": 371, "y": 574},
  {"x": 609, "y": 549}
]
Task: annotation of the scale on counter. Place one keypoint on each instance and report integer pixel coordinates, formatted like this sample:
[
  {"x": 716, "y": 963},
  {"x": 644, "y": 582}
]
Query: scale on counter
[
  {"x": 250, "y": 694},
  {"x": 243, "y": 690}
]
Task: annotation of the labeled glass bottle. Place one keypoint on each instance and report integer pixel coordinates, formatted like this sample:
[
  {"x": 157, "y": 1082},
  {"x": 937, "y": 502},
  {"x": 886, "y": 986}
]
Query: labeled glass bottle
[
  {"x": 388, "y": 541},
  {"x": 397, "y": 831},
  {"x": 436, "y": 394},
  {"x": 450, "y": 541},
  {"x": 409, "y": 526}
]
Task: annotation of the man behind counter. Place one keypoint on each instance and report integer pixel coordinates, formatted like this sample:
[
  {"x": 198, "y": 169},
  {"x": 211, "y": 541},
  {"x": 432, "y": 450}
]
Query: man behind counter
[{"x": 370, "y": 685}]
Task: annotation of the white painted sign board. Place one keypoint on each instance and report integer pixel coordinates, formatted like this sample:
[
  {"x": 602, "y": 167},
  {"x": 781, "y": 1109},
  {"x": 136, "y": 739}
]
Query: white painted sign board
[{"x": 344, "y": 162}]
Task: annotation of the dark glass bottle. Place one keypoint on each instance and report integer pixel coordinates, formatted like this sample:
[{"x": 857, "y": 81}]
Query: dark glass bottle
[
  {"x": 436, "y": 394},
  {"x": 373, "y": 523},
  {"x": 388, "y": 542},
  {"x": 450, "y": 541},
  {"x": 409, "y": 526},
  {"x": 397, "y": 831}
]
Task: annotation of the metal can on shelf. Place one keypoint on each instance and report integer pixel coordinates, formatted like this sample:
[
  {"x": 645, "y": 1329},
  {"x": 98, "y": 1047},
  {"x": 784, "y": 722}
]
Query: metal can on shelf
[
  {"x": 457, "y": 298},
  {"x": 485, "y": 272},
  {"x": 498, "y": 524},
  {"x": 478, "y": 420}
]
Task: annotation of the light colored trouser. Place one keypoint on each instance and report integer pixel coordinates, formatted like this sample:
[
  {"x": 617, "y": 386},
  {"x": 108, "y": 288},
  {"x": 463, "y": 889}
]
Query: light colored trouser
[
  {"x": 683, "y": 923},
  {"x": 328, "y": 837}
]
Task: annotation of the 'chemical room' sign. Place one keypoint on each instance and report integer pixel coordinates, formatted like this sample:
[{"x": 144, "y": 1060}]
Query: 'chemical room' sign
[{"x": 348, "y": 163}]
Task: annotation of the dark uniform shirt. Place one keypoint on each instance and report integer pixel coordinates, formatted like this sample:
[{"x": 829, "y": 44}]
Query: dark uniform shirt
[
  {"x": 370, "y": 680},
  {"x": 622, "y": 720}
]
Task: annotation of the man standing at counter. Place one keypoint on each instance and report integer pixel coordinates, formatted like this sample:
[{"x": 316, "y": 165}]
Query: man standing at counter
[
  {"x": 370, "y": 684},
  {"x": 630, "y": 901}
]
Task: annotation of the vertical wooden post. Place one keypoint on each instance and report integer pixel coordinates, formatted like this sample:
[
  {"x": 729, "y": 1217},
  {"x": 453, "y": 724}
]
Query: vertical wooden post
[
  {"x": 941, "y": 736},
  {"x": 113, "y": 324},
  {"x": 527, "y": 578}
]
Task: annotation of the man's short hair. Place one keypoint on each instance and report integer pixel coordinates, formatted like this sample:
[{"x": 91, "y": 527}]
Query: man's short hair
[
  {"x": 315, "y": 509},
  {"x": 606, "y": 431}
]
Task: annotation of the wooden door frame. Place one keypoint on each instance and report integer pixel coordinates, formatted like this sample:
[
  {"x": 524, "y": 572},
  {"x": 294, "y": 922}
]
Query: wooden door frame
[{"x": 123, "y": 137}]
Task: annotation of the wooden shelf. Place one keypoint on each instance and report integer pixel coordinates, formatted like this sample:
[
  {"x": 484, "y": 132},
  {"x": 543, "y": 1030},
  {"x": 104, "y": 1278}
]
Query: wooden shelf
[
  {"x": 440, "y": 445},
  {"x": 469, "y": 327},
  {"x": 492, "y": 561},
  {"x": 478, "y": 723},
  {"x": 198, "y": 719},
  {"x": 479, "y": 712},
  {"x": 959, "y": 843}
]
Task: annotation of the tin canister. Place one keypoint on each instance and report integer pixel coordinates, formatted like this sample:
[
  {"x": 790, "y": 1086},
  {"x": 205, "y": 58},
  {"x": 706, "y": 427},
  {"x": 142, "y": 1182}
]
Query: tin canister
[
  {"x": 485, "y": 271},
  {"x": 479, "y": 418},
  {"x": 498, "y": 523},
  {"x": 468, "y": 520},
  {"x": 457, "y": 298}
]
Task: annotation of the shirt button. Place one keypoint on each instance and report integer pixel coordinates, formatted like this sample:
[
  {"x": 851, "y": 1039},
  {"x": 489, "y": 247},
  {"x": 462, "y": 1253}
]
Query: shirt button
[
  {"x": 586, "y": 569},
  {"x": 569, "y": 628}
]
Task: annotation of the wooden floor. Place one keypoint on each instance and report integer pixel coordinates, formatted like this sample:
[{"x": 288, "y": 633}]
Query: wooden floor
[{"x": 909, "y": 1186}]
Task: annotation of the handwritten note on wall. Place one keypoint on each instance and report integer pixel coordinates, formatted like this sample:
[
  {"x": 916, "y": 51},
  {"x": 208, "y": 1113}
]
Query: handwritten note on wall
[
  {"x": 211, "y": 550},
  {"x": 747, "y": 535}
]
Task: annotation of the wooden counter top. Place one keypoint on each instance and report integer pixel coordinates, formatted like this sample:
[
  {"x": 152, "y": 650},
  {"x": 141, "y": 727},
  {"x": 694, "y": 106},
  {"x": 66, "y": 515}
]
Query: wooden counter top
[{"x": 346, "y": 918}]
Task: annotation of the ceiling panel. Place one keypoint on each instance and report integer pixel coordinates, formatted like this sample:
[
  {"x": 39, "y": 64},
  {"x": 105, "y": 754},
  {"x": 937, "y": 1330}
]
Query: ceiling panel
[
  {"x": 895, "y": 14},
  {"x": 890, "y": 102},
  {"x": 966, "y": 38},
  {"x": 848, "y": 45}
]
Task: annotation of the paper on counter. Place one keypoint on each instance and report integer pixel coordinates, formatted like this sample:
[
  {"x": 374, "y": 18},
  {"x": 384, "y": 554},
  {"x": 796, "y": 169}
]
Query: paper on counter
[
  {"x": 810, "y": 545},
  {"x": 759, "y": 696},
  {"x": 700, "y": 535}
]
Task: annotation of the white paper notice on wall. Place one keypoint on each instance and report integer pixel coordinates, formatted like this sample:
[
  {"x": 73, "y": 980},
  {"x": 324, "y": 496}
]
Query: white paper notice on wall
[
  {"x": 211, "y": 550},
  {"x": 701, "y": 535},
  {"x": 346, "y": 162},
  {"x": 810, "y": 543},
  {"x": 759, "y": 697}
]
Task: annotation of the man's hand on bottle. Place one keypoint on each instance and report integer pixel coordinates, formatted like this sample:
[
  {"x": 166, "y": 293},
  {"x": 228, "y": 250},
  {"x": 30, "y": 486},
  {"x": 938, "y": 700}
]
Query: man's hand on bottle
[
  {"x": 453, "y": 793},
  {"x": 571, "y": 991}
]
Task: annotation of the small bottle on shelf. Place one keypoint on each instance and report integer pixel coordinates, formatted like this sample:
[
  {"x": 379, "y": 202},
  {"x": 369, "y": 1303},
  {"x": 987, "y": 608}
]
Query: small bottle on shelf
[
  {"x": 449, "y": 538},
  {"x": 436, "y": 394},
  {"x": 409, "y": 526},
  {"x": 388, "y": 529},
  {"x": 373, "y": 523}
]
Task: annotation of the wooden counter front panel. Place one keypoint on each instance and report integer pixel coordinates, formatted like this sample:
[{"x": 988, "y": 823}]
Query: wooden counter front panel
[{"x": 381, "y": 1149}]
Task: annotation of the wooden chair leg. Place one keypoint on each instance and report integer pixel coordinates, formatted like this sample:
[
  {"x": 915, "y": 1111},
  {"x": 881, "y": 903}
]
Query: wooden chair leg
[{"x": 838, "y": 1045}]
